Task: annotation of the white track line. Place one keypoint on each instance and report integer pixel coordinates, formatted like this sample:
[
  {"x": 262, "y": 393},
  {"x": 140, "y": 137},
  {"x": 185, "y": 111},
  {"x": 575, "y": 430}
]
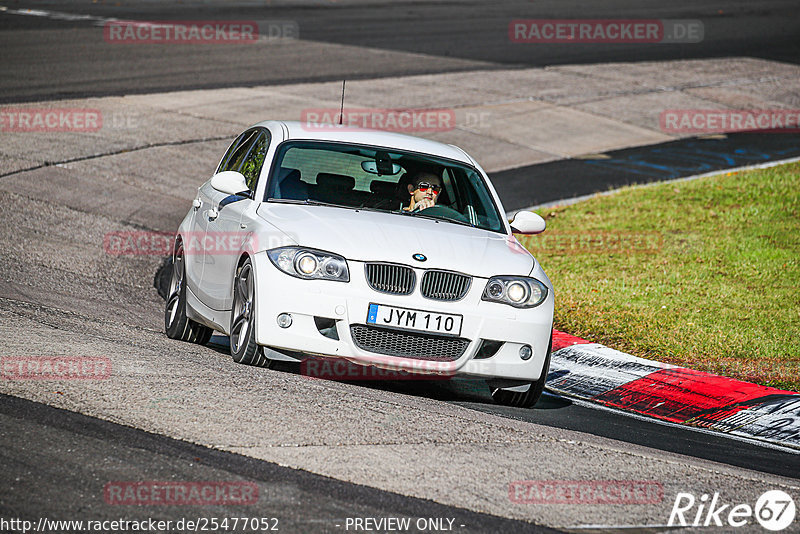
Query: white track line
[
  {"x": 54, "y": 15},
  {"x": 102, "y": 21}
]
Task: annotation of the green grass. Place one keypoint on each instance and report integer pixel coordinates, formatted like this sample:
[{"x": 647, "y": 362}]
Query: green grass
[{"x": 703, "y": 274}]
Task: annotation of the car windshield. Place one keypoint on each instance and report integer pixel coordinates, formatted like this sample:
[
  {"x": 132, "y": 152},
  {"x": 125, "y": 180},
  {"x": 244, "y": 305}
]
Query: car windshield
[{"x": 364, "y": 177}]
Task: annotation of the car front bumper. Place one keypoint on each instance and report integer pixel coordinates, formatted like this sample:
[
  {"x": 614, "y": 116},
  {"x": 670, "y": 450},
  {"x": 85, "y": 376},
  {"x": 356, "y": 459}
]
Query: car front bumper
[{"x": 347, "y": 304}]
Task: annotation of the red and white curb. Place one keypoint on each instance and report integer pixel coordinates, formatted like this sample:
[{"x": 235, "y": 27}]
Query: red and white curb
[{"x": 599, "y": 374}]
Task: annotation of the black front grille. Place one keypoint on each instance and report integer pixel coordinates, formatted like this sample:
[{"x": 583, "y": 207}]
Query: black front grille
[
  {"x": 390, "y": 278},
  {"x": 408, "y": 344},
  {"x": 444, "y": 285}
]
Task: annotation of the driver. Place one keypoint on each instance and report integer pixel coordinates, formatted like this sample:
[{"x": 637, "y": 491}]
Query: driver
[{"x": 424, "y": 190}]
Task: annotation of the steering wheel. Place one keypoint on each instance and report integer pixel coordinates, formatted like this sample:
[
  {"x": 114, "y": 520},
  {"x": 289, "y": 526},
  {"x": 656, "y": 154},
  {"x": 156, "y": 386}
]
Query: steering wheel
[{"x": 442, "y": 212}]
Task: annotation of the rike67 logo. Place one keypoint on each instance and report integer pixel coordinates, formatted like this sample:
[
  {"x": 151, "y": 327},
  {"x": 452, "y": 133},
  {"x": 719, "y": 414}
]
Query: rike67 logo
[{"x": 774, "y": 510}]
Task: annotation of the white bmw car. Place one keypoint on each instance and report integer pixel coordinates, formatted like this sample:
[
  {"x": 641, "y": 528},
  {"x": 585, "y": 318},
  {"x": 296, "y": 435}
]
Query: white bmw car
[{"x": 384, "y": 249}]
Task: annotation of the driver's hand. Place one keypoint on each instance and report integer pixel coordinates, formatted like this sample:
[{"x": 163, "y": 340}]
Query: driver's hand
[{"x": 425, "y": 203}]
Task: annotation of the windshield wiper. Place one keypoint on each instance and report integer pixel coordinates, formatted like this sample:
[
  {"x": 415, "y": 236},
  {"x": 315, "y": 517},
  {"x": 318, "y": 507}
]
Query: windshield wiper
[
  {"x": 332, "y": 204},
  {"x": 286, "y": 200}
]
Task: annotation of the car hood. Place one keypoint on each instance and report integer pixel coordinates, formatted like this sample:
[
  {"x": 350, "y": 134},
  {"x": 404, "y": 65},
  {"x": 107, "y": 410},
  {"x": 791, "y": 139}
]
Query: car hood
[{"x": 360, "y": 235}]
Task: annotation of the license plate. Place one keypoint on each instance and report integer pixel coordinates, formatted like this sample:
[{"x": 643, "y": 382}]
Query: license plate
[{"x": 419, "y": 320}]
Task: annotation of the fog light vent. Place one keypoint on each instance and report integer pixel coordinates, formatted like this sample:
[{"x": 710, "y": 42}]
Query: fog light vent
[
  {"x": 326, "y": 327},
  {"x": 489, "y": 348}
]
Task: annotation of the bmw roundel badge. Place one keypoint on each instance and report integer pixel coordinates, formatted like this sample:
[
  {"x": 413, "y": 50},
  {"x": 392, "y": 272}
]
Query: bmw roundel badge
[{"x": 420, "y": 257}]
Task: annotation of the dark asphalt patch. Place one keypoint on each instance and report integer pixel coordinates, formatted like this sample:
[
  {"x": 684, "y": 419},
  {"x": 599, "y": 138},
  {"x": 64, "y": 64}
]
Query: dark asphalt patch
[{"x": 558, "y": 180}]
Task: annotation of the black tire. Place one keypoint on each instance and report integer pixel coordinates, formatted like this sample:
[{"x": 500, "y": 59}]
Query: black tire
[
  {"x": 162, "y": 278},
  {"x": 176, "y": 324},
  {"x": 525, "y": 399},
  {"x": 244, "y": 349}
]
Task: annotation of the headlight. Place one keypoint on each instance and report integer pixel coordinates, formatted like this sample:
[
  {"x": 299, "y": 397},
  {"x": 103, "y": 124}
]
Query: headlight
[
  {"x": 306, "y": 263},
  {"x": 517, "y": 291},
  {"x": 310, "y": 264}
]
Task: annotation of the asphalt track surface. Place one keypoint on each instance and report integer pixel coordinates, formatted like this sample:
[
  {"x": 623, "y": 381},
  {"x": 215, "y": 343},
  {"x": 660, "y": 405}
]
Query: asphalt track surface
[
  {"x": 47, "y": 59},
  {"x": 40, "y": 483},
  {"x": 560, "y": 412},
  {"x": 43, "y": 59}
]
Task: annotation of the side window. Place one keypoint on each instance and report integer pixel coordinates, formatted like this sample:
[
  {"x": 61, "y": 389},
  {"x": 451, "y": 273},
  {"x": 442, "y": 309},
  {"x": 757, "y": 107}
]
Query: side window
[
  {"x": 238, "y": 156},
  {"x": 254, "y": 160},
  {"x": 224, "y": 164},
  {"x": 247, "y": 155}
]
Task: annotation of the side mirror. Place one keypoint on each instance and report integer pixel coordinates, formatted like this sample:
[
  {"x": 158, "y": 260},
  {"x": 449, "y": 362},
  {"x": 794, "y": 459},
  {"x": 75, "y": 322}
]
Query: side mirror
[
  {"x": 230, "y": 183},
  {"x": 527, "y": 222}
]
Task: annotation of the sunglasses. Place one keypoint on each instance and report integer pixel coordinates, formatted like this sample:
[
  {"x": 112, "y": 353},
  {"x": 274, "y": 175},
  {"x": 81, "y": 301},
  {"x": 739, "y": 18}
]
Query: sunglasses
[{"x": 424, "y": 186}]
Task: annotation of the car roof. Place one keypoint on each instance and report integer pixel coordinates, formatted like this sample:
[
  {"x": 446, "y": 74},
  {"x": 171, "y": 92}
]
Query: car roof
[{"x": 390, "y": 140}]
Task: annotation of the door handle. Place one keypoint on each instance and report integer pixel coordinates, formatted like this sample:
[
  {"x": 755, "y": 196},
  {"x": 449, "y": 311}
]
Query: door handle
[{"x": 212, "y": 214}]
